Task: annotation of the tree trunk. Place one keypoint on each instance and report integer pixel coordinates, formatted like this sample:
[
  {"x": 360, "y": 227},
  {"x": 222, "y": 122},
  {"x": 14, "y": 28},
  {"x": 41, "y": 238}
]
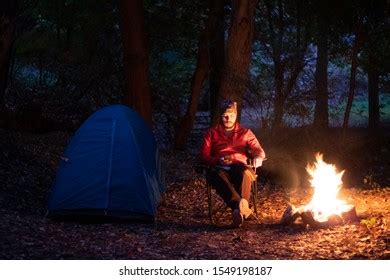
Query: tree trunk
[
  {"x": 321, "y": 76},
  {"x": 238, "y": 53},
  {"x": 202, "y": 69},
  {"x": 373, "y": 93},
  {"x": 278, "y": 73},
  {"x": 135, "y": 56},
  {"x": 352, "y": 81},
  {"x": 8, "y": 12},
  {"x": 217, "y": 54},
  {"x": 279, "y": 95}
]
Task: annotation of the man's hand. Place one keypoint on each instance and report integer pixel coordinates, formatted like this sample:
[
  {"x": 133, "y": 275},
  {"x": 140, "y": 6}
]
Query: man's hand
[
  {"x": 257, "y": 162},
  {"x": 226, "y": 160}
]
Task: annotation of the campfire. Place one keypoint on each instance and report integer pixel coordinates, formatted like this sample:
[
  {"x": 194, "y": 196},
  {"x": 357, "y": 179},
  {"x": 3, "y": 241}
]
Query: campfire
[{"x": 325, "y": 208}]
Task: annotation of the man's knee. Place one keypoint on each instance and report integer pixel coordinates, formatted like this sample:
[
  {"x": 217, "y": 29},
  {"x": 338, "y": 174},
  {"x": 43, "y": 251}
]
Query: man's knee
[{"x": 249, "y": 175}]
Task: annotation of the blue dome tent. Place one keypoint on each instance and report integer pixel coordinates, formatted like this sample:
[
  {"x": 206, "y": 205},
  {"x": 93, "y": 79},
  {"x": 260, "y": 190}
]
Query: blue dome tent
[{"x": 110, "y": 169}]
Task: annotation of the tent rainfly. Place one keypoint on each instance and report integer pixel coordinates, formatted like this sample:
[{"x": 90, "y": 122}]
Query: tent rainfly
[{"x": 111, "y": 169}]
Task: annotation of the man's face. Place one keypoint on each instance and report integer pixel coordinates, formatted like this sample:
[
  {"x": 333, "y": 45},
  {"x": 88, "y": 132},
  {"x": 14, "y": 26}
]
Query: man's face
[{"x": 228, "y": 120}]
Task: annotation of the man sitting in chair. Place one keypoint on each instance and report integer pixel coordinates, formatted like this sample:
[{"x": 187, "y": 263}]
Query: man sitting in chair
[{"x": 224, "y": 150}]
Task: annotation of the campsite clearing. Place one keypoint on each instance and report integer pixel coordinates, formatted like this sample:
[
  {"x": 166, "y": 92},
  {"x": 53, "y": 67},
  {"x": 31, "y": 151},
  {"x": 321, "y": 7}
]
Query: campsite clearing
[{"x": 27, "y": 170}]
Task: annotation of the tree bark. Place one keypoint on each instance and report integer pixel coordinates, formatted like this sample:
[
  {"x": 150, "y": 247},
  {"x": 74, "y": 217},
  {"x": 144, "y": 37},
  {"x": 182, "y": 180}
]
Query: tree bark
[
  {"x": 352, "y": 80},
  {"x": 136, "y": 61},
  {"x": 373, "y": 93},
  {"x": 238, "y": 53},
  {"x": 321, "y": 76},
  {"x": 217, "y": 54},
  {"x": 8, "y": 12},
  {"x": 202, "y": 70}
]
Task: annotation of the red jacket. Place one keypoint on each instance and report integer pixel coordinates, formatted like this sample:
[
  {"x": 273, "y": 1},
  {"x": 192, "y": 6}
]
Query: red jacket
[{"x": 217, "y": 144}]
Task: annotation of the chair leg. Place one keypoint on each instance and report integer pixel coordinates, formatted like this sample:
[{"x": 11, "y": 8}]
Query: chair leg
[
  {"x": 214, "y": 214},
  {"x": 254, "y": 197},
  {"x": 209, "y": 202}
]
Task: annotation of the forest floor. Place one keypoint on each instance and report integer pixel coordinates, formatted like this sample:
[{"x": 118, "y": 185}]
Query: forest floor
[{"x": 28, "y": 163}]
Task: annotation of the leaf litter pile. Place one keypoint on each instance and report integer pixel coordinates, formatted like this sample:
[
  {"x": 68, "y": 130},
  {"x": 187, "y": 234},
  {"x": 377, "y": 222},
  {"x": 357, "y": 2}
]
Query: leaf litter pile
[{"x": 28, "y": 163}]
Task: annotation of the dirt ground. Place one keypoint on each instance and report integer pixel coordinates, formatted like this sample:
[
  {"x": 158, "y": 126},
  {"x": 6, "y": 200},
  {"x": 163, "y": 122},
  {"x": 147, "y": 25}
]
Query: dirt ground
[{"x": 28, "y": 163}]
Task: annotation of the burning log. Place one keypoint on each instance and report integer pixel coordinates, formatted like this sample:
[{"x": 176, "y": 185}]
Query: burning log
[
  {"x": 350, "y": 214},
  {"x": 291, "y": 214},
  {"x": 308, "y": 219}
]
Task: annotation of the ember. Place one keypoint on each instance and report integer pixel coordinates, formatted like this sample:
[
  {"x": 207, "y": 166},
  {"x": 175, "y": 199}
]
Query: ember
[{"x": 324, "y": 208}]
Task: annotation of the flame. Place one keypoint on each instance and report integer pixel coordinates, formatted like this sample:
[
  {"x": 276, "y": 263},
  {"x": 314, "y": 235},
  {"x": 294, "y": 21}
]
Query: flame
[{"x": 326, "y": 182}]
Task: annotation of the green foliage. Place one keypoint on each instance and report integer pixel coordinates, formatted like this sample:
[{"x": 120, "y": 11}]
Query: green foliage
[
  {"x": 174, "y": 30},
  {"x": 70, "y": 51},
  {"x": 68, "y": 57}
]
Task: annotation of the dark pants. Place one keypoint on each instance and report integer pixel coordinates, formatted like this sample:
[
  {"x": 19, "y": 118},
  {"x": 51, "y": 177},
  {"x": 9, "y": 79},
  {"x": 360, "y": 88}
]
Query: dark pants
[{"x": 231, "y": 185}]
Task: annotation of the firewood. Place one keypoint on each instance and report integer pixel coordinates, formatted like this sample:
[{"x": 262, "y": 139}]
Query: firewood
[
  {"x": 308, "y": 219},
  {"x": 290, "y": 215},
  {"x": 350, "y": 215},
  {"x": 333, "y": 220}
]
